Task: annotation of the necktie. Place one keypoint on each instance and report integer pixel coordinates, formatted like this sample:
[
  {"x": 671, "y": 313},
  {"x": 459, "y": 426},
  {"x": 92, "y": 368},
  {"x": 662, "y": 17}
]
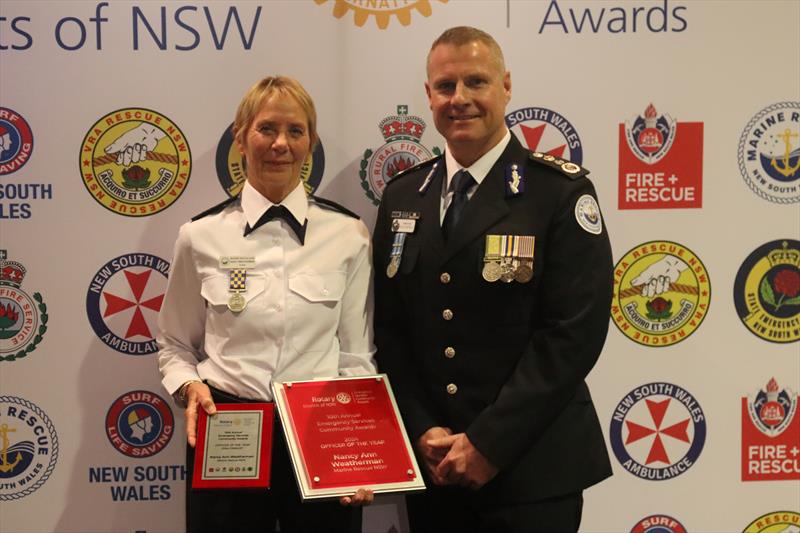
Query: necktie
[
  {"x": 279, "y": 211},
  {"x": 462, "y": 182}
]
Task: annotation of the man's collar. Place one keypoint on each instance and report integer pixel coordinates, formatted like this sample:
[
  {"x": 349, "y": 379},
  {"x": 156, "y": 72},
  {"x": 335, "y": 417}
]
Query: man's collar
[{"x": 480, "y": 168}]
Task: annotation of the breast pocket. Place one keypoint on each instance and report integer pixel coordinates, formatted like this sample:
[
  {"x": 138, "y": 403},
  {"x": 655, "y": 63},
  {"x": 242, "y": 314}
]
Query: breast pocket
[
  {"x": 220, "y": 320},
  {"x": 314, "y": 307}
]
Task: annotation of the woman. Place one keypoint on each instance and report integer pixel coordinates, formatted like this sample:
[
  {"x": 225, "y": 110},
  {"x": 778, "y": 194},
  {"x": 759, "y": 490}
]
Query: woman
[{"x": 272, "y": 285}]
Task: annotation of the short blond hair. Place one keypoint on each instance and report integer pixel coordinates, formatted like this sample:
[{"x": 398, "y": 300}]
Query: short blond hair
[
  {"x": 463, "y": 35},
  {"x": 265, "y": 89}
]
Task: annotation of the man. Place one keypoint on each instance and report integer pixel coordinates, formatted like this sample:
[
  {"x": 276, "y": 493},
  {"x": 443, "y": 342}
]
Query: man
[{"x": 493, "y": 292}]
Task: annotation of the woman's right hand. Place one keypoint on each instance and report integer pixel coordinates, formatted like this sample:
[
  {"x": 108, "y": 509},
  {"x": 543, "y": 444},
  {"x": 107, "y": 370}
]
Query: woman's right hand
[{"x": 197, "y": 393}]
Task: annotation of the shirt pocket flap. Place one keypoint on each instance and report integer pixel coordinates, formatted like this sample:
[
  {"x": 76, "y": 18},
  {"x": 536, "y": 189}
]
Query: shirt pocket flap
[
  {"x": 327, "y": 287},
  {"x": 215, "y": 289}
]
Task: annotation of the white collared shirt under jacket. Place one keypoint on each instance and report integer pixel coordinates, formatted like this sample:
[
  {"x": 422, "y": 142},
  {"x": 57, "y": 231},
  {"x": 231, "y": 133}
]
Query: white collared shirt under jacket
[{"x": 309, "y": 307}]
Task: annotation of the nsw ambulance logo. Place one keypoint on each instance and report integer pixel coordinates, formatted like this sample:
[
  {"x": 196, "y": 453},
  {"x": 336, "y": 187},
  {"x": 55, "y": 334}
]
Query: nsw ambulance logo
[
  {"x": 381, "y": 11},
  {"x": 23, "y": 317},
  {"x": 139, "y": 424},
  {"x": 16, "y": 141},
  {"x": 546, "y": 131},
  {"x": 135, "y": 162}
]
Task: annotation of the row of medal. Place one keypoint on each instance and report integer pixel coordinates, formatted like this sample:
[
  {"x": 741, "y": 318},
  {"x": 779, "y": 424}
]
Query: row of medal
[{"x": 508, "y": 258}]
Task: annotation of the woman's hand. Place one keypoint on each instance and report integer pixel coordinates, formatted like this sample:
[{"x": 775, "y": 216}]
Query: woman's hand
[
  {"x": 361, "y": 497},
  {"x": 197, "y": 393}
]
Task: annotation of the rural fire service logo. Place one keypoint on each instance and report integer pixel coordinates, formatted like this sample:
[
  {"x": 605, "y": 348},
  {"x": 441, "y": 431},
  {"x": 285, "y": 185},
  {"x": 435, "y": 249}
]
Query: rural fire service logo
[
  {"x": 232, "y": 168},
  {"x": 402, "y": 150},
  {"x": 382, "y": 11},
  {"x": 766, "y": 291},
  {"x": 123, "y": 302},
  {"x": 16, "y": 141},
  {"x": 661, "y": 293},
  {"x": 546, "y": 131},
  {"x": 658, "y": 431},
  {"x": 769, "y": 153},
  {"x": 28, "y": 447},
  {"x": 775, "y": 522},
  {"x": 139, "y": 424},
  {"x": 23, "y": 318},
  {"x": 135, "y": 162},
  {"x": 658, "y": 523}
]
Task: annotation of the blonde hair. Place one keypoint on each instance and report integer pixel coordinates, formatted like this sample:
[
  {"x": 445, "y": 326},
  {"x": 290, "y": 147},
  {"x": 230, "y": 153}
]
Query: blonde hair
[{"x": 463, "y": 35}]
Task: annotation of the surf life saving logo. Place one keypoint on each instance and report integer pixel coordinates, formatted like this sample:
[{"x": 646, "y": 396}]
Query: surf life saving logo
[
  {"x": 139, "y": 424},
  {"x": 23, "y": 318},
  {"x": 660, "y": 162},
  {"x": 123, "y": 302},
  {"x": 16, "y": 141},
  {"x": 382, "y": 11},
  {"x": 402, "y": 149},
  {"x": 775, "y": 522},
  {"x": 135, "y": 162},
  {"x": 661, "y": 293},
  {"x": 770, "y": 434},
  {"x": 28, "y": 447},
  {"x": 766, "y": 291},
  {"x": 232, "y": 168},
  {"x": 546, "y": 131},
  {"x": 658, "y": 431},
  {"x": 769, "y": 153},
  {"x": 658, "y": 523}
]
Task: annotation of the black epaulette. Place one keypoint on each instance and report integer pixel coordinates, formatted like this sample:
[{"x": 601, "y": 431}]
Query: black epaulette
[
  {"x": 216, "y": 209},
  {"x": 324, "y": 203},
  {"x": 420, "y": 165},
  {"x": 567, "y": 168}
]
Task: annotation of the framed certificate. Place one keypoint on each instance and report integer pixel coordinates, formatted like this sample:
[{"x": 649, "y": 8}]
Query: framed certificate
[
  {"x": 345, "y": 434},
  {"x": 234, "y": 446}
]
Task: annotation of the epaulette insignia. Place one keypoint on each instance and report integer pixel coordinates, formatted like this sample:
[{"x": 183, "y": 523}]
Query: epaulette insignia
[
  {"x": 215, "y": 209},
  {"x": 421, "y": 164},
  {"x": 324, "y": 203},
  {"x": 567, "y": 168}
]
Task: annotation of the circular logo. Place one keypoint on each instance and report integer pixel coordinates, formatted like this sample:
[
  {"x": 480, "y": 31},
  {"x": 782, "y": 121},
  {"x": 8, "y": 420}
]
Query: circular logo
[
  {"x": 766, "y": 291},
  {"x": 658, "y": 523},
  {"x": 123, "y": 302},
  {"x": 650, "y": 136},
  {"x": 769, "y": 153},
  {"x": 775, "y": 522},
  {"x": 16, "y": 141},
  {"x": 587, "y": 213},
  {"x": 28, "y": 447},
  {"x": 772, "y": 409},
  {"x": 139, "y": 424},
  {"x": 390, "y": 159},
  {"x": 135, "y": 162},
  {"x": 661, "y": 293},
  {"x": 343, "y": 398},
  {"x": 231, "y": 168},
  {"x": 546, "y": 131},
  {"x": 382, "y": 11},
  {"x": 657, "y": 431}
]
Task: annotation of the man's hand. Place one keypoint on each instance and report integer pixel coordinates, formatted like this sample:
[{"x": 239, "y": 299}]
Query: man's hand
[
  {"x": 360, "y": 498},
  {"x": 463, "y": 464},
  {"x": 197, "y": 393},
  {"x": 132, "y": 146},
  {"x": 431, "y": 457}
]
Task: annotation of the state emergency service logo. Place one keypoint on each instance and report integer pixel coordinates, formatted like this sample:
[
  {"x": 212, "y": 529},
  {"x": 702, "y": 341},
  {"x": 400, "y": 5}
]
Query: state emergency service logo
[
  {"x": 658, "y": 523},
  {"x": 23, "y": 318},
  {"x": 661, "y": 293},
  {"x": 28, "y": 447},
  {"x": 16, "y": 141},
  {"x": 769, "y": 153},
  {"x": 775, "y": 522},
  {"x": 402, "y": 133},
  {"x": 766, "y": 291},
  {"x": 139, "y": 424},
  {"x": 123, "y": 302},
  {"x": 135, "y": 162},
  {"x": 770, "y": 434},
  {"x": 657, "y": 431},
  {"x": 382, "y": 11},
  {"x": 232, "y": 168},
  {"x": 546, "y": 131}
]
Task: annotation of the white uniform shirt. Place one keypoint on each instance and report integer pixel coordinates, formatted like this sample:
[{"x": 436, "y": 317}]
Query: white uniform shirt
[{"x": 309, "y": 307}]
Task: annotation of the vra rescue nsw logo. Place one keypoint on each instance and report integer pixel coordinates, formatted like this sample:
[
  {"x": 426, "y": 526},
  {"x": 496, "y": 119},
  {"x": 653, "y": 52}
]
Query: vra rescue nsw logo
[
  {"x": 139, "y": 424},
  {"x": 23, "y": 319},
  {"x": 382, "y": 11},
  {"x": 775, "y": 522}
]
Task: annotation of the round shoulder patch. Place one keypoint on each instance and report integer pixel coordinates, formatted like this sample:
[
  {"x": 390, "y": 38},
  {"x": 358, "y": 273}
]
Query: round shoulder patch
[{"x": 587, "y": 213}]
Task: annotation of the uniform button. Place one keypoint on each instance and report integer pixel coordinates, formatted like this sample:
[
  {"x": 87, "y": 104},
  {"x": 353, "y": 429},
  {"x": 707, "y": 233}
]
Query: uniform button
[
  {"x": 447, "y": 314},
  {"x": 452, "y": 388},
  {"x": 449, "y": 352},
  {"x": 325, "y": 291},
  {"x": 444, "y": 277},
  {"x": 278, "y": 307}
]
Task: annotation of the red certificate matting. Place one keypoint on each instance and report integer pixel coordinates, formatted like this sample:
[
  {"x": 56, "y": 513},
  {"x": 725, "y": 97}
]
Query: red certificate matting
[
  {"x": 346, "y": 434},
  {"x": 234, "y": 446}
]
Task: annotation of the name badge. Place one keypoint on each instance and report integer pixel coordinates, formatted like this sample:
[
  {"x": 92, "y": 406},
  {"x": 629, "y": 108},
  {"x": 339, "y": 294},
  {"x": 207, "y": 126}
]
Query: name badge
[
  {"x": 236, "y": 261},
  {"x": 404, "y": 225}
]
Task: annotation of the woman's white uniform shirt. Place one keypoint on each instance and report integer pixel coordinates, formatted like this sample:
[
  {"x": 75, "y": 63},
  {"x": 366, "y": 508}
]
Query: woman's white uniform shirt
[{"x": 309, "y": 306}]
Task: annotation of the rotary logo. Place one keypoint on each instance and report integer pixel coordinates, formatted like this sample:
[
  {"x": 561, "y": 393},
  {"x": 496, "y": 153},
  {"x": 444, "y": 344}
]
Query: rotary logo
[
  {"x": 769, "y": 153},
  {"x": 658, "y": 431},
  {"x": 139, "y": 424},
  {"x": 343, "y": 398},
  {"x": 135, "y": 162},
  {"x": 23, "y": 319},
  {"x": 232, "y": 169},
  {"x": 658, "y": 523},
  {"x": 16, "y": 141},
  {"x": 548, "y": 132},
  {"x": 123, "y": 302},
  {"x": 382, "y": 10},
  {"x": 766, "y": 291},
  {"x": 661, "y": 293},
  {"x": 775, "y": 522},
  {"x": 28, "y": 447},
  {"x": 402, "y": 150}
]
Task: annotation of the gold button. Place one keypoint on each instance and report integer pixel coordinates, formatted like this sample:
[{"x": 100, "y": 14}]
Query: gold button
[
  {"x": 444, "y": 277},
  {"x": 449, "y": 352},
  {"x": 452, "y": 388},
  {"x": 447, "y": 314}
]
